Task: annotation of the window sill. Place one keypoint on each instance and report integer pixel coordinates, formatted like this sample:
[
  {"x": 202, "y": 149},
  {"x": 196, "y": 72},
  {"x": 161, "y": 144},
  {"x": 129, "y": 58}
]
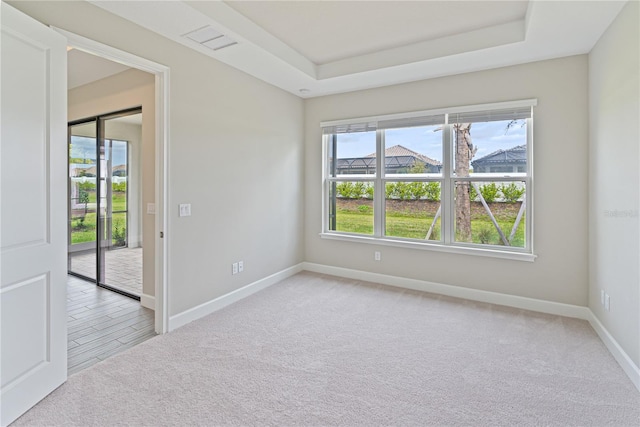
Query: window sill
[{"x": 460, "y": 250}]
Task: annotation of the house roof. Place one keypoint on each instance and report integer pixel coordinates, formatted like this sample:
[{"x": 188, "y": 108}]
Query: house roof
[
  {"x": 395, "y": 157},
  {"x": 400, "y": 151},
  {"x": 517, "y": 154},
  {"x": 93, "y": 169}
]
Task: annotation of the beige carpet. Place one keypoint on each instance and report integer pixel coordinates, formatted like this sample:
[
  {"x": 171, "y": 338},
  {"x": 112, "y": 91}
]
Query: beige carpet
[{"x": 317, "y": 350}]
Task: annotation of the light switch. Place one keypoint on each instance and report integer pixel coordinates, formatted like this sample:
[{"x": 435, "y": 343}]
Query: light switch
[
  {"x": 185, "y": 209},
  {"x": 151, "y": 208}
]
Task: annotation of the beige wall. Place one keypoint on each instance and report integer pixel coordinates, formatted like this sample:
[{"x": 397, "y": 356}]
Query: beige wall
[
  {"x": 560, "y": 151},
  {"x": 235, "y": 153},
  {"x": 131, "y": 88},
  {"x": 614, "y": 92}
]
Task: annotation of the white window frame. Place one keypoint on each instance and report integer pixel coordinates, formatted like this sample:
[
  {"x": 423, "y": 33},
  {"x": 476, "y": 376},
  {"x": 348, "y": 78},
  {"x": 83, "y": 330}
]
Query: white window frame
[{"x": 446, "y": 178}]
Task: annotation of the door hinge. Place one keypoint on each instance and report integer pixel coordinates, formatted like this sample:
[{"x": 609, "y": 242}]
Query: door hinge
[{"x": 162, "y": 234}]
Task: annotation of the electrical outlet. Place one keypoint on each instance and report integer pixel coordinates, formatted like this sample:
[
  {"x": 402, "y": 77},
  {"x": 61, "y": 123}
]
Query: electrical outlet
[
  {"x": 240, "y": 266},
  {"x": 607, "y": 302},
  {"x": 376, "y": 255},
  {"x": 234, "y": 268}
]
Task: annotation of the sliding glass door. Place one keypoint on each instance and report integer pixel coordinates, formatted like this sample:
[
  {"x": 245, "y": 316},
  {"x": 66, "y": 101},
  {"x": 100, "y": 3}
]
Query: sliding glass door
[
  {"x": 83, "y": 199},
  {"x": 99, "y": 196}
]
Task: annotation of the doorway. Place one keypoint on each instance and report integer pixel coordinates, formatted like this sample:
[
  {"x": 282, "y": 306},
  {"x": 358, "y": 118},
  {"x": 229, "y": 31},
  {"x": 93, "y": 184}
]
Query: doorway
[
  {"x": 160, "y": 107},
  {"x": 104, "y": 232}
]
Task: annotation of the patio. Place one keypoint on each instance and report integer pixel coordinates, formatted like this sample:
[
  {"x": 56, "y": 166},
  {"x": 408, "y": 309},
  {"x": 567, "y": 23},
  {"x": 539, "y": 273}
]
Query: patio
[{"x": 123, "y": 268}]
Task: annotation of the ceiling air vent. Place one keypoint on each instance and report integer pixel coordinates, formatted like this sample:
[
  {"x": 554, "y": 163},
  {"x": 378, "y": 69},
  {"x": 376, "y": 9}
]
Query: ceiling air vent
[{"x": 210, "y": 38}]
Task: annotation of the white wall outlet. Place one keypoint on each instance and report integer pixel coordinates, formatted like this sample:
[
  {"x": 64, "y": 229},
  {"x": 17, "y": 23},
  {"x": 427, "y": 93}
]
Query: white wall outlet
[
  {"x": 185, "y": 209},
  {"x": 234, "y": 268},
  {"x": 601, "y": 296},
  {"x": 376, "y": 255},
  {"x": 607, "y": 302},
  {"x": 240, "y": 266},
  {"x": 151, "y": 208}
]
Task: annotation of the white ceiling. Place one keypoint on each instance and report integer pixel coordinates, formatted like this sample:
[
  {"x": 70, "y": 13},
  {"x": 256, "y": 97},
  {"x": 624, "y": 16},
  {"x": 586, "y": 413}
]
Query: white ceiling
[
  {"x": 325, "y": 47},
  {"x": 325, "y": 32}
]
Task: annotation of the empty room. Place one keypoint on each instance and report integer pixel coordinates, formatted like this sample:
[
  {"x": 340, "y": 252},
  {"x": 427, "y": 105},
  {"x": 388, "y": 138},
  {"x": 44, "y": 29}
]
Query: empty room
[{"x": 347, "y": 213}]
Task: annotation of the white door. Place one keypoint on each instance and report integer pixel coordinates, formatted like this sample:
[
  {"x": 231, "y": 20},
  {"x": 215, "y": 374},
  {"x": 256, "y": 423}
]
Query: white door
[{"x": 33, "y": 213}]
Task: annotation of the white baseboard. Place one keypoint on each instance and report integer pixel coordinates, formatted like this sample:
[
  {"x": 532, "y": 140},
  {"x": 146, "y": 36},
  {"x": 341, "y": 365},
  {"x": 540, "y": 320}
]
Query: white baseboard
[
  {"x": 549, "y": 307},
  {"x": 214, "y": 305},
  {"x": 623, "y": 359},
  {"x": 148, "y": 301},
  {"x": 134, "y": 242},
  {"x": 525, "y": 303}
]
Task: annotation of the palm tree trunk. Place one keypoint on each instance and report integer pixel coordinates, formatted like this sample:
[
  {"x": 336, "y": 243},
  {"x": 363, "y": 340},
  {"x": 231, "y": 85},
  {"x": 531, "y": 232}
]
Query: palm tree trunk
[{"x": 463, "y": 156}]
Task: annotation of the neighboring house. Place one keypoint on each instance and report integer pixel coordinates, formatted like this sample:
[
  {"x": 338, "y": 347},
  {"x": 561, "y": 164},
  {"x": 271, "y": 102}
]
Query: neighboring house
[
  {"x": 510, "y": 160},
  {"x": 119, "y": 170},
  {"x": 398, "y": 159}
]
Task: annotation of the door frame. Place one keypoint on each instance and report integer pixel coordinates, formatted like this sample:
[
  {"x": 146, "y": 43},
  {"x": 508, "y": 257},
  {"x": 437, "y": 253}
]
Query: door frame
[{"x": 162, "y": 74}]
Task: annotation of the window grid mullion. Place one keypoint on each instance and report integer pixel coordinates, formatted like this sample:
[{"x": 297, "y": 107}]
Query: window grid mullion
[
  {"x": 379, "y": 193},
  {"x": 447, "y": 218},
  {"x": 326, "y": 220},
  {"x": 529, "y": 186}
]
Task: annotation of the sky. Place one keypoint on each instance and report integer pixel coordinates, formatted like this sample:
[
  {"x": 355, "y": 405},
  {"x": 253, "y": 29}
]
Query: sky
[
  {"x": 85, "y": 148},
  {"x": 427, "y": 140}
]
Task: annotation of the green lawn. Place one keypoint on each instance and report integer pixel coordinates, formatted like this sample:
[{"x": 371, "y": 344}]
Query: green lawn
[
  {"x": 412, "y": 226},
  {"x": 85, "y": 230},
  {"x": 119, "y": 200}
]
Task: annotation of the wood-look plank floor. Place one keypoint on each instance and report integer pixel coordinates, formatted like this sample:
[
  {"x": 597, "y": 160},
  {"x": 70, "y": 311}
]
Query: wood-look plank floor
[{"x": 102, "y": 323}]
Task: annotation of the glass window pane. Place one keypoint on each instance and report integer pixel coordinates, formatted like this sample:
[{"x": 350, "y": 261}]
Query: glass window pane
[
  {"x": 412, "y": 210},
  {"x": 119, "y": 155},
  {"x": 119, "y": 229},
  {"x": 493, "y": 147},
  {"x": 475, "y": 221},
  {"x": 352, "y": 153},
  {"x": 351, "y": 207},
  {"x": 82, "y": 199},
  {"x": 413, "y": 150}
]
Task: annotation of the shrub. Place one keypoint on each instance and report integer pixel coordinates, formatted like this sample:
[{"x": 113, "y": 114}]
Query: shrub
[
  {"x": 83, "y": 196},
  {"x": 389, "y": 190},
  {"x": 511, "y": 193},
  {"x": 473, "y": 194},
  {"x": 418, "y": 168},
  {"x": 417, "y": 190},
  {"x": 358, "y": 190},
  {"x": 87, "y": 186},
  {"x": 368, "y": 192},
  {"x": 412, "y": 190},
  {"x": 119, "y": 234},
  {"x": 77, "y": 224},
  {"x": 432, "y": 190},
  {"x": 119, "y": 187},
  {"x": 350, "y": 190},
  {"x": 364, "y": 209},
  {"x": 489, "y": 192},
  {"x": 402, "y": 191}
]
